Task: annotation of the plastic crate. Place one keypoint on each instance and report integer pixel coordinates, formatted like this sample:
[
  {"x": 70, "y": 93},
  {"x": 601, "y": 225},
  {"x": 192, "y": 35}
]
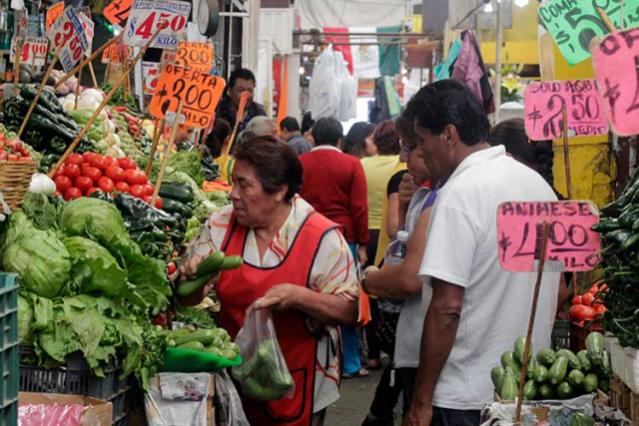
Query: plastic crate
[
  {"x": 579, "y": 333},
  {"x": 75, "y": 378},
  {"x": 8, "y": 349},
  {"x": 561, "y": 335}
]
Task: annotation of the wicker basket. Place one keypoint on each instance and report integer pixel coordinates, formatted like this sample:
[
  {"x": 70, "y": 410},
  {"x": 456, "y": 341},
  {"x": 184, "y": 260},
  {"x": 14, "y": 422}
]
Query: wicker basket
[{"x": 15, "y": 177}]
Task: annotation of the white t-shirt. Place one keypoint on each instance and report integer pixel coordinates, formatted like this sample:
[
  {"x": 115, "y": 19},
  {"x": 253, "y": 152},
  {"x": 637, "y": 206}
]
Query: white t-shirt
[{"x": 462, "y": 250}]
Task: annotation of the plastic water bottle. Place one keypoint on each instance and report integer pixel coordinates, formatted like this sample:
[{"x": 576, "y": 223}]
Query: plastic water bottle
[{"x": 396, "y": 251}]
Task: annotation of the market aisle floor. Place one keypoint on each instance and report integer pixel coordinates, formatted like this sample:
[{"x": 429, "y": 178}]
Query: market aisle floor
[{"x": 356, "y": 396}]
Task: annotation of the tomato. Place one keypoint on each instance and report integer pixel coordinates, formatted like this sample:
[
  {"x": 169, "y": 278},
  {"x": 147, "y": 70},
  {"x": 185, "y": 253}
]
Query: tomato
[
  {"x": 12, "y": 157},
  {"x": 158, "y": 203},
  {"x": 87, "y": 156},
  {"x": 600, "y": 309},
  {"x": 106, "y": 184},
  {"x": 148, "y": 189},
  {"x": 72, "y": 170},
  {"x": 62, "y": 183},
  {"x": 587, "y": 299},
  {"x": 92, "y": 173},
  {"x": 576, "y": 300},
  {"x": 83, "y": 183},
  {"x": 171, "y": 267},
  {"x": 126, "y": 163},
  {"x": 74, "y": 159},
  {"x": 57, "y": 193},
  {"x": 140, "y": 178},
  {"x": 72, "y": 193},
  {"x": 130, "y": 176},
  {"x": 110, "y": 161},
  {"x": 122, "y": 187},
  {"x": 581, "y": 313},
  {"x": 98, "y": 161},
  {"x": 115, "y": 173},
  {"x": 3, "y": 156},
  {"x": 91, "y": 191},
  {"x": 137, "y": 191}
]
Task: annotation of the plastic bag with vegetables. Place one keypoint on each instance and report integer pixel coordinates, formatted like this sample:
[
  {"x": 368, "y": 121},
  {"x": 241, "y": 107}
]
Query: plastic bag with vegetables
[{"x": 264, "y": 374}]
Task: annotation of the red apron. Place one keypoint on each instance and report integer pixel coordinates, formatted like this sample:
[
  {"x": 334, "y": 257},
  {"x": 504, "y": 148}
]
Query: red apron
[{"x": 239, "y": 288}]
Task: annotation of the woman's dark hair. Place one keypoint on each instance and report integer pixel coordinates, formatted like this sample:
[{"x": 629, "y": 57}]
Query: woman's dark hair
[
  {"x": 538, "y": 155},
  {"x": 307, "y": 122},
  {"x": 355, "y": 140},
  {"x": 275, "y": 164},
  {"x": 449, "y": 102},
  {"x": 406, "y": 130},
  {"x": 215, "y": 139},
  {"x": 386, "y": 138}
]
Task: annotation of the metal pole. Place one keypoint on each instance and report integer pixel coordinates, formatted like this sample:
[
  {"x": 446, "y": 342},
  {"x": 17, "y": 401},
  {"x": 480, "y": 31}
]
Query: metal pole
[
  {"x": 230, "y": 54},
  {"x": 498, "y": 44}
]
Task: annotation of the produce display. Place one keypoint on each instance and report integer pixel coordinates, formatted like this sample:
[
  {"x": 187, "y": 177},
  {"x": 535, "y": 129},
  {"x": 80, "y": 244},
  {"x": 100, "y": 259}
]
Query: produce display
[
  {"x": 12, "y": 148},
  {"x": 619, "y": 229},
  {"x": 213, "y": 340},
  {"x": 554, "y": 375},
  {"x": 588, "y": 306}
]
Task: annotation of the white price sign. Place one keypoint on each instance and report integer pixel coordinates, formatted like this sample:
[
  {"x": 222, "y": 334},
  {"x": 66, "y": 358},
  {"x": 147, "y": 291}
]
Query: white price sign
[
  {"x": 147, "y": 16},
  {"x": 67, "y": 35},
  {"x": 150, "y": 74},
  {"x": 88, "y": 28},
  {"x": 34, "y": 51}
]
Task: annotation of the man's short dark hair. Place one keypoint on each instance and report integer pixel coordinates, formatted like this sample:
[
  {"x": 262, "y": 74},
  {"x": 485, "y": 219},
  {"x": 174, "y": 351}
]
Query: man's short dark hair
[
  {"x": 290, "y": 124},
  {"x": 449, "y": 102},
  {"x": 241, "y": 73},
  {"x": 307, "y": 122},
  {"x": 327, "y": 131}
]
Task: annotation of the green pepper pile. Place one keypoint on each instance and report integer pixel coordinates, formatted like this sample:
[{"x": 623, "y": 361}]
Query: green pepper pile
[
  {"x": 619, "y": 229},
  {"x": 49, "y": 130},
  {"x": 554, "y": 375}
]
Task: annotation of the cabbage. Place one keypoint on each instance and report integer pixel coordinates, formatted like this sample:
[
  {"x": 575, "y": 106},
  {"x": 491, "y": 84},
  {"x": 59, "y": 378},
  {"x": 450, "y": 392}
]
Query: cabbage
[
  {"x": 39, "y": 257},
  {"x": 94, "y": 269},
  {"x": 25, "y": 318}
]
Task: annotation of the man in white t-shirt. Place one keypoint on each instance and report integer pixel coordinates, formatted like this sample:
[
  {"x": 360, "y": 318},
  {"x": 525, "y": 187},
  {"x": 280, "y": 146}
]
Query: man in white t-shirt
[{"x": 477, "y": 310}]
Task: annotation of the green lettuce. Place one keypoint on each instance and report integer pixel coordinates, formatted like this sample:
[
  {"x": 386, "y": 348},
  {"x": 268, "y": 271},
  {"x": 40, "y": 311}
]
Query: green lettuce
[{"x": 25, "y": 319}]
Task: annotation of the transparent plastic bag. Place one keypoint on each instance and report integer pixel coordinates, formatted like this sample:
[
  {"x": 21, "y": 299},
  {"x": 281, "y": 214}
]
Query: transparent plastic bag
[{"x": 263, "y": 375}]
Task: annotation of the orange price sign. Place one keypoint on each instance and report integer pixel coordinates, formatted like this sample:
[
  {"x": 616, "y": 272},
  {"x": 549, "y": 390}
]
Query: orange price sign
[
  {"x": 200, "y": 93},
  {"x": 53, "y": 13},
  {"x": 117, "y": 12},
  {"x": 195, "y": 55}
]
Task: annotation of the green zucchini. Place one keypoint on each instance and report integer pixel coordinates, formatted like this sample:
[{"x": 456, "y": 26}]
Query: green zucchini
[
  {"x": 176, "y": 191},
  {"x": 573, "y": 360},
  {"x": 508, "y": 391},
  {"x": 595, "y": 347},
  {"x": 211, "y": 264},
  {"x": 174, "y": 206},
  {"x": 558, "y": 371},
  {"x": 565, "y": 391},
  {"x": 231, "y": 262},
  {"x": 540, "y": 374},
  {"x": 591, "y": 382},
  {"x": 497, "y": 376},
  {"x": 576, "y": 378},
  {"x": 546, "y": 392},
  {"x": 530, "y": 390},
  {"x": 586, "y": 365},
  {"x": 195, "y": 345},
  {"x": 547, "y": 357},
  {"x": 187, "y": 287}
]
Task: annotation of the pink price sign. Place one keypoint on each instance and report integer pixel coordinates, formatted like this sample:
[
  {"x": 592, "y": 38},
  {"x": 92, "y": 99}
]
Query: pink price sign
[
  {"x": 544, "y": 102},
  {"x": 571, "y": 242},
  {"x": 616, "y": 64}
]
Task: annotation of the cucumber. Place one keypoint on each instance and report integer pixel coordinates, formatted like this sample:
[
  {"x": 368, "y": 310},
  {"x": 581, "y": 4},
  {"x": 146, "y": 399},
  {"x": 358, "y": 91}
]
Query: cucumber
[
  {"x": 211, "y": 264},
  {"x": 497, "y": 376},
  {"x": 520, "y": 345},
  {"x": 546, "y": 392},
  {"x": 586, "y": 366},
  {"x": 179, "y": 333},
  {"x": 532, "y": 366},
  {"x": 513, "y": 371},
  {"x": 197, "y": 346},
  {"x": 547, "y": 357},
  {"x": 564, "y": 391},
  {"x": 557, "y": 372},
  {"x": 591, "y": 382},
  {"x": 231, "y": 262},
  {"x": 530, "y": 390},
  {"x": 178, "y": 192},
  {"x": 605, "y": 365},
  {"x": 508, "y": 391},
  {"x": 576, "y": 378},
  {"x": 595, "y": 346},
  {"x": 540, "y": 374},
  {"x": 188, "y": 287},
  {"x": 573, "y": 361},
  {"x": 173, "y": 206}
]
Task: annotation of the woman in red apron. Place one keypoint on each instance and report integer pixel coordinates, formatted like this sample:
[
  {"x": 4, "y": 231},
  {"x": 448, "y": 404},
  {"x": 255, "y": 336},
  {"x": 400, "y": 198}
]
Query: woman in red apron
[{"x": 293, "y": 264}]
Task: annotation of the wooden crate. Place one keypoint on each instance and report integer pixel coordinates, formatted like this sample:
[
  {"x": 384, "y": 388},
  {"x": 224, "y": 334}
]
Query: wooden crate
[{"x": 622, "y": 398}]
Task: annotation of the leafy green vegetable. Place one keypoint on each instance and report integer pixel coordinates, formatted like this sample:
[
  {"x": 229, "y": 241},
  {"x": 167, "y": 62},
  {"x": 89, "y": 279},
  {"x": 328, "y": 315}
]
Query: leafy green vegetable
[
  {"x": 25, "y": 318},
  {"x": 194, "y": 316},
  {"x": 189, "y": 163},
  {"x": 39, "y": 257},
  {"x": 95, "y": 270},
  {"x": 40, "y": 210}
]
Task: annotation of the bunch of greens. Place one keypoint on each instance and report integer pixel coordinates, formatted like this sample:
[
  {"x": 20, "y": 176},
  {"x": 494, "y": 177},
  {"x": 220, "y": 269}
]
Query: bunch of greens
[
  {"x": 205, "y": 203},
  {"x": 188, "y": 162},
  {"x": 193, "y": 316}
]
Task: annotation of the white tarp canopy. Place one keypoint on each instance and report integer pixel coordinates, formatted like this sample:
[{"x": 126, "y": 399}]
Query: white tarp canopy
[{"x": 352, "y": 13}]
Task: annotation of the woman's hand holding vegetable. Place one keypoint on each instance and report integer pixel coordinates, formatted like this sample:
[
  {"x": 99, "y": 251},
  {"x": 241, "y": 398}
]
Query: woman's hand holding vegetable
[{"x": 188, "y": 271}]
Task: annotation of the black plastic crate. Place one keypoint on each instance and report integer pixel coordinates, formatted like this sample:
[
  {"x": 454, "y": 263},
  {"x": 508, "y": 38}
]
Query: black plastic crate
[{"x": 561, "y": 335}]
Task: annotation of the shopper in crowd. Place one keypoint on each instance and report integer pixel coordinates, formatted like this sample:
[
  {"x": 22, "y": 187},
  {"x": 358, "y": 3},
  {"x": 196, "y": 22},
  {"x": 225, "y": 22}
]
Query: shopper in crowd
[
  {"x": 378, "y": 170},
  {"x": 218, "y": 143},
  {"x": 358, "y": 140},
  {"x": 475, "y": 310},
  {"x": 334, "y": 184},
  {"x": 307, "y": 126},
  {"x": 296, "y": 263},
  {"x": 240, "y": 81},
  {"x": 261, "y": 126},
  {"x": 291, "y": 133},
  {"x": 401, "y": 283}
]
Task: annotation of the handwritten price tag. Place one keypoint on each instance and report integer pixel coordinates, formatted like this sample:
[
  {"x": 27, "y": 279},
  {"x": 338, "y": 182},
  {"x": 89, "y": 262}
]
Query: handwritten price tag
[
  {"x": 67, "y": 35},
  {"x": 571, "y": 241},
  {"x": 150, "y": 76},
  {"x": 616, "y": 64},
  {"x": 199, "y": 92},
  {"x": 117, "y": 12},
  {"x": 53, "y": 13},
  {"x": 194, "y": 55},
  {"x": 117, "y": 52},
  {"x": 88, "y": 27},
  {"x": 572, "y": 24},
  {"x": 34, "y": 51},
  {"x": 545, "y": 100},
  {"x": 146, "y": 16}
]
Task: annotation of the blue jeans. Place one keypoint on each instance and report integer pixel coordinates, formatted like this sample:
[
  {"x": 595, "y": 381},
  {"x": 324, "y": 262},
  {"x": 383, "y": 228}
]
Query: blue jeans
[
  {"x": 350, "y": 340},
  {"x": 450, "y": 417}
]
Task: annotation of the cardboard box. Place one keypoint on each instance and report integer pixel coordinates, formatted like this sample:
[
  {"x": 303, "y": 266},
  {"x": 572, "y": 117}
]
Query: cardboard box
[{"x": 97, "y": 412}]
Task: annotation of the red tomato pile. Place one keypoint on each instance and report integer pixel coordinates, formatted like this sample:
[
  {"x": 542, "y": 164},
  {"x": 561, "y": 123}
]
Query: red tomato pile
[
  {"x": 588, "y": 306},
  {"x": 81, "y": 175},
  {"x": 13, "y": 150}
]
